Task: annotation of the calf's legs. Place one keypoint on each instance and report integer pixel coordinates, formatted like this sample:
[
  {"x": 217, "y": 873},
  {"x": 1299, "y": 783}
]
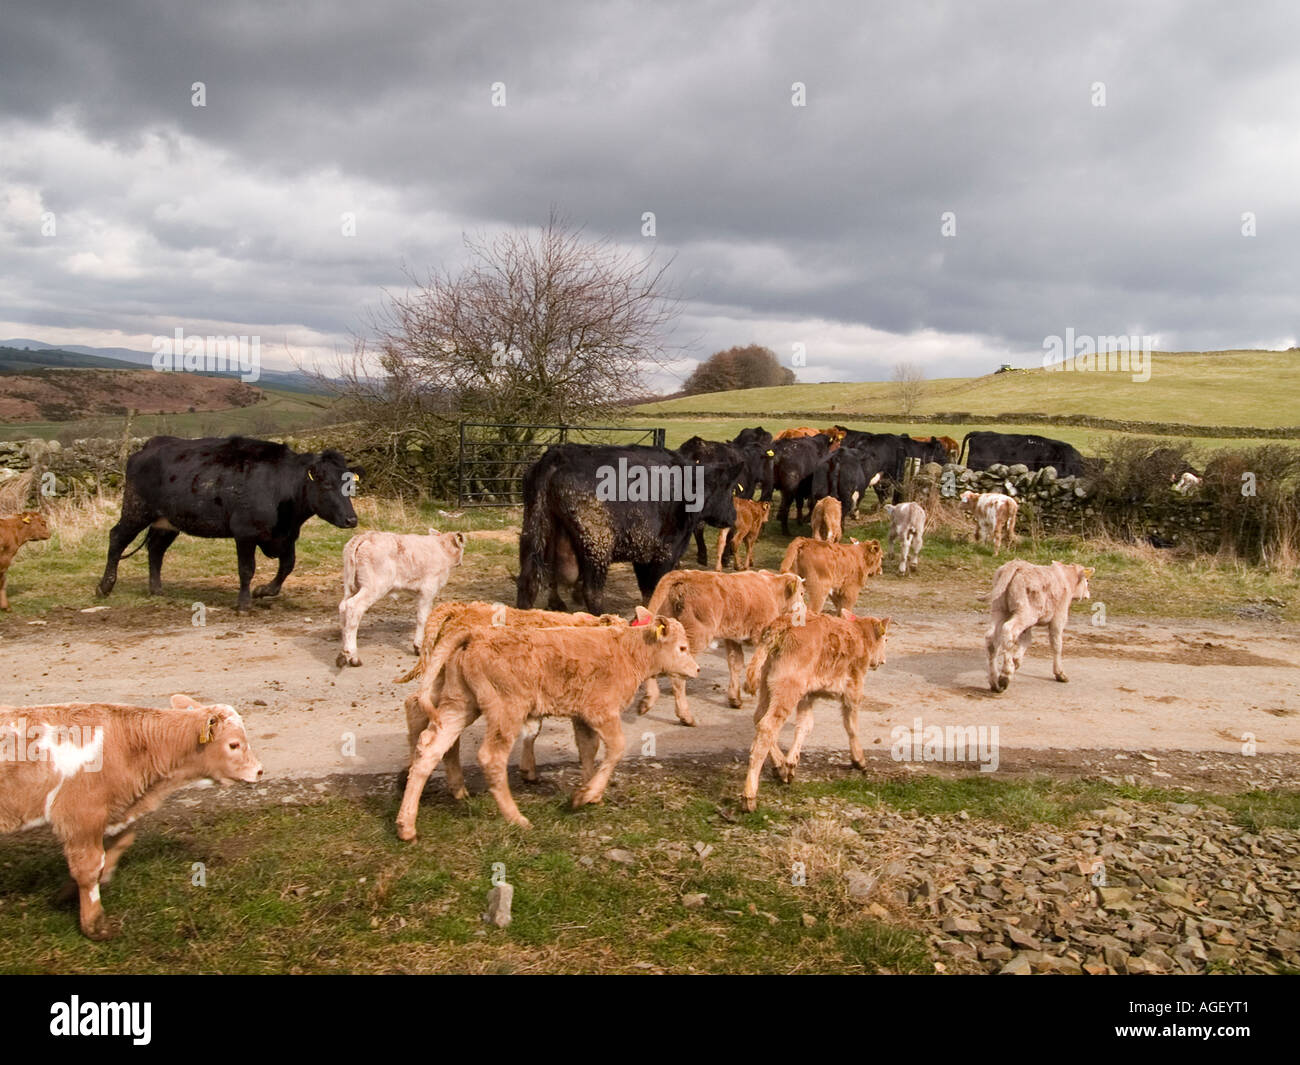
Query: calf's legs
[{"x": 435, "y": 741}]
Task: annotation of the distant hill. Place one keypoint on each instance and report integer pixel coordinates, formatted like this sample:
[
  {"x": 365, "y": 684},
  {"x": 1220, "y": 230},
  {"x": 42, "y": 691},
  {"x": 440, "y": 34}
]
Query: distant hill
[
  {"x": 23, "y": 353},
  {"x": 1211, "y": 388},
  {"x": 49, "y": 394}
]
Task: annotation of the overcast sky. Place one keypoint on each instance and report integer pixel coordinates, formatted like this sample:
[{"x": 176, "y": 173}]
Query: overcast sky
[{"x": 819, "y": 225}]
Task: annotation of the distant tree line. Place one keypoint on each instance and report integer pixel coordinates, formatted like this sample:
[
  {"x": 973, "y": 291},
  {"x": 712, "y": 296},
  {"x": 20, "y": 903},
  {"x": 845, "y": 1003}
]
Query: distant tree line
[{"x": 750, "y": 366}]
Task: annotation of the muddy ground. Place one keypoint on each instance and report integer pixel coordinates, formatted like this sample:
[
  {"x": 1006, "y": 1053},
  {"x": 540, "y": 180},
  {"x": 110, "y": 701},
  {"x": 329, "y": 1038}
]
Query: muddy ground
[{"x": 1136, "y": 684}]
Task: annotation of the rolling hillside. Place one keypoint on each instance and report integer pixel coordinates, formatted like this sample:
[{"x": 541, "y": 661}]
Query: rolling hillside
[{"x": 1225, "y": 388}]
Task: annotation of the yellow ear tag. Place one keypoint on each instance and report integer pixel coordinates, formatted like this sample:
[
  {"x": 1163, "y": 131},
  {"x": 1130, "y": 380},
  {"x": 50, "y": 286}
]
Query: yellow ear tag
[
  {"x": 771, "y": 454},
  {"x": 206, "y": 735},
  {"x": 660, "y": 629},
  {"x": 309, "y": 476},
  {"x": 27, "y": 521}
]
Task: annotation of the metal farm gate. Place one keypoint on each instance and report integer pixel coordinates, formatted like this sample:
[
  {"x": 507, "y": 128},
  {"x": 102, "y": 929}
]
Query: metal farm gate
[{"x": 494, "y": 455}]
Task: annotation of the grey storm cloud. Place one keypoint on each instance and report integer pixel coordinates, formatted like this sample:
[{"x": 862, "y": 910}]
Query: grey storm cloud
[{"x": 1107, "y": 219}]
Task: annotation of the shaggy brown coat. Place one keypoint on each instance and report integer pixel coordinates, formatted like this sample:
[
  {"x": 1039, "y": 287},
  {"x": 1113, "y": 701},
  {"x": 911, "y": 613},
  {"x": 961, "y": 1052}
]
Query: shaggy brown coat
[
  {"x": 90, "y": 770},
  {"x": 509, "y": 676},
  {"x": 794, "y": 664},
  {"x": 835, "y": 570},
  {"x": 828, "y": 520},
  {"x": 731, "y": 607},
  {"x": 15, "y": 531},
  {"x": 751, "y": 516},
  {"x": 445, "y": 630}
]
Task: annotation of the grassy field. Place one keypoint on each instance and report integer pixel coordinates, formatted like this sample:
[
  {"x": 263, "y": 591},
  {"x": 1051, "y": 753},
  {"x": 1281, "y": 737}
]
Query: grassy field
[
  {"x": 61, "y": 574},
  {"x": 323, "y": 886},
  {"x": 278, "y": 412},
  {"x": 1238, "y": 388}
]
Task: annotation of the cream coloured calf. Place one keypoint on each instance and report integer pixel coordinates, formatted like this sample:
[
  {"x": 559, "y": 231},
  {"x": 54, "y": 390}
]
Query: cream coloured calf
[
  {"x": 1025, "y": 595},
  {"x": 995, "y": 515},
  {"x": 907, "y": 526},
  {"x": 376, "y": 563}
]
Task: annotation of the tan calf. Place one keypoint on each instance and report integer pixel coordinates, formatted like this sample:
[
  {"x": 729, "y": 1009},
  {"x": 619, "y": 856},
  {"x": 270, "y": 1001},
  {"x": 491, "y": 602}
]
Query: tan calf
[
  {"x": 14, "y": 532},
  {"x": 828, "y": 520},
  {"x": 509, "y": 676},
  {"x": 1025, "y": 595},
  {"x": 793, "y": 665},
  {"x": 750, "y": 519},
  {"x": 731, "y": 607},
  {"x": 442, "y": 633},
  {"x": 90, "y": 770},
  {"x": 835, "y": 570}
]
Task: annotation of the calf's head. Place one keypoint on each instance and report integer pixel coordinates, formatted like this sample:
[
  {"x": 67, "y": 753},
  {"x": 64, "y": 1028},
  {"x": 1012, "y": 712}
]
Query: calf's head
[
  {"x": 33, "y": 526},
  {"x": 875, "y": 631},
  {"x": 330, "y": 486},
  {"x": 670, "y": 652},
  {"x": 1076, "y": 578},
  {"x": 872, "y": 556},
  {"x": 225, "y": 756}
]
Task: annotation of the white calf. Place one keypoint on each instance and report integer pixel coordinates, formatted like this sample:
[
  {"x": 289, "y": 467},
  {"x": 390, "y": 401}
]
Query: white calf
[
  {"x": 376, "y": 563},
  {"x": 994, "y": 513},
  {"x": 907, "y": 526}
]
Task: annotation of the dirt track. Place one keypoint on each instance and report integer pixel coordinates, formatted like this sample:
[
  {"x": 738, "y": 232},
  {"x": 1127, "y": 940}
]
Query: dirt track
[{"x": 1138, "y": 686}]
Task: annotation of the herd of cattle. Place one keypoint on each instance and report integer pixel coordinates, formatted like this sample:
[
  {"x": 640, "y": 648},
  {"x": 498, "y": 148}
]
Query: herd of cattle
[{"x": 91, "y": 769}]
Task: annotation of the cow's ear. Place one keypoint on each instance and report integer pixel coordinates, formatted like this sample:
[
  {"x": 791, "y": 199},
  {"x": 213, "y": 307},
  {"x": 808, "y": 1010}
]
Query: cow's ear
[
  {"x": 848, "y": 614},
  {"x": 183, "y": 702},
  {"x": 1088, "y": 571},
  {"x": 882, "y": 624},
  {"x": 643, "y": 616},
  {"x": 209, "y": 729},
  {"x": 460, "y": 538}
]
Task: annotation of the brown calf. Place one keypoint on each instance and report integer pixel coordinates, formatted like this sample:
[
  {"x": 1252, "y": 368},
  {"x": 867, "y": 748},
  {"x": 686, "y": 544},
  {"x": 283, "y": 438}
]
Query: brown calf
[
  {"x": 444, "y": 631},
  {"x": 90, "y": 770},
  {"x": 828, "y": 520},
  {"x": 731, "y": 607},
  {"x": 14, "y": 532},
  {"x": 751, "y": 516},
  {"x": 794, "y": 664},
  {"x": 509, "y": 676},
  {"x": 837, "y": 570}
]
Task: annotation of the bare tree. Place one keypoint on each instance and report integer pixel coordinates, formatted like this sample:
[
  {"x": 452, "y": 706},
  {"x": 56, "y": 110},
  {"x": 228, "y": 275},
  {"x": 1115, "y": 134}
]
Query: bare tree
[
  {"x": 909, "y": 383},
  {"x": 539, "y": 326}
]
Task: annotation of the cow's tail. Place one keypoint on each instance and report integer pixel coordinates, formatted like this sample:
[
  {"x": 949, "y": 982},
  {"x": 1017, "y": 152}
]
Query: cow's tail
[
  {"x": 147, "y": 536},
  {"x": 791, "y": 557},
  {"x": 433, "y": 629},
  {"x": 755, "y": 669},
  {"x": 534, "y": 543},
  {"x": 961, "y": 452},
  {"x": 350, "y": 568},
  {"x": 1002, "y": 581}
]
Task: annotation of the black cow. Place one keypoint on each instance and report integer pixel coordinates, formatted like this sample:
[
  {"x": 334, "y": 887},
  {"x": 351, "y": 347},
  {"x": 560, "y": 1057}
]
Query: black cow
[
  {"x": 252, "y": 491},
  {"x": 850, "y": 474},
  {"x": 578, "y": 517},
  {"x": 881, "y": 456},
  {"x": 793, "y": 460},
  {"x": 1035, "y": 452},
  {"x": 716, "y": 452}
]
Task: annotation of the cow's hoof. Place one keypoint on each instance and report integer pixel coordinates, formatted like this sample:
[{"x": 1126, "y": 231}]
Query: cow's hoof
[
  {"x": 858, "y": 765},
  {"x": 460, "y": 794},
  {"x": 686, "y": 720},
  {"x": 747, "y": 803},
  {"x": 346, "y": 660},
  {"x": 406, "y": 833},
  {"x": 1000, "y": 685},
  {"x": 1062, "y": 678},
  {"x": 521, "y": 821},
  {"x": 733, "y": 701},
  {"x": 265, "y": 591},
  {"x": 643, "y": 709},
  {"x": 99, "y": 930}
]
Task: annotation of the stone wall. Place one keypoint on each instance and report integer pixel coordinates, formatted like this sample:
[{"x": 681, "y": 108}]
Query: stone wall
[{"x": 1058, "y": 506}]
